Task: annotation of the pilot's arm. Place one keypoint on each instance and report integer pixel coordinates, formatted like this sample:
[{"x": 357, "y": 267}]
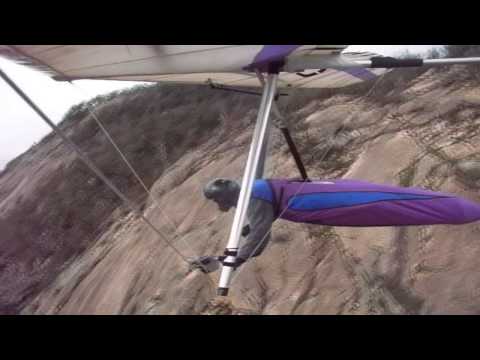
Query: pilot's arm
[
  {"x": 256, "y": 237},
  {"x": 261, "y": 217}
]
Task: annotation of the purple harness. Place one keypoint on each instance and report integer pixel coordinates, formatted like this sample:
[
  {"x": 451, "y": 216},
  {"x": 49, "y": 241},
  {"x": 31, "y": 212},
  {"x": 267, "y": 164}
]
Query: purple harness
[{"x": 359, "y": 203}]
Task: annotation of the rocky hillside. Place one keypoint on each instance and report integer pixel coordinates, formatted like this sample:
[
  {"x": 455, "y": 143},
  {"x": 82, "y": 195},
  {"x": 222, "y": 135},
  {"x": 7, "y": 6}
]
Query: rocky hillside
[{"x": 68, "y": 246}]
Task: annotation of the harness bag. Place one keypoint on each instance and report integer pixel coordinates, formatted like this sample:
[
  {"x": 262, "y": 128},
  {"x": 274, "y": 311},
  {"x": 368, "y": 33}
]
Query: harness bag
[{"x": 360, "y": 203}]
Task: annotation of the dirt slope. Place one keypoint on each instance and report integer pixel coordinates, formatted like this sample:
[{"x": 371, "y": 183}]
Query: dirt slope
[{"x": 68, "y": 247}]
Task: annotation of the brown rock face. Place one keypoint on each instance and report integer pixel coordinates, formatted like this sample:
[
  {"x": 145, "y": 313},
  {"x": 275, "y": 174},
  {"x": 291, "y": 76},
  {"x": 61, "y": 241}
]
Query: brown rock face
[{"x": 77, "y": 251}]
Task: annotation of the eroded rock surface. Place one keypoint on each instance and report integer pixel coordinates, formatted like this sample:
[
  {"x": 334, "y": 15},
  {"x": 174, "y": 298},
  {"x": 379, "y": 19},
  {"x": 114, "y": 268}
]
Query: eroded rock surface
[{"x": 427, "y": 134}]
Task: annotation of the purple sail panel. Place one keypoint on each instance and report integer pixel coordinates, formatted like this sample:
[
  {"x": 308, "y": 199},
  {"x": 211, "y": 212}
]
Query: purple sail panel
[
  {"x": 269, "y": 54},
  {"x": 361, "y": 73},
  {"x": 363, "y": 204}
]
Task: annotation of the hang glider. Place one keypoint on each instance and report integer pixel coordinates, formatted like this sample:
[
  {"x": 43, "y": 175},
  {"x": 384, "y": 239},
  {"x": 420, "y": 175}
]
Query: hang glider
[{"x": 284, "y": 66}]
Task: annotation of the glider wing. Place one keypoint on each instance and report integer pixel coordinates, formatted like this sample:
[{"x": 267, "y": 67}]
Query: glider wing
[{"x": 194, "y": 64}]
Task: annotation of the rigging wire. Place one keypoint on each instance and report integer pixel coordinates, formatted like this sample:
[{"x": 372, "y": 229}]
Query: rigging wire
[
  {"x": 91, "y": 111},
  {"x": 86, "y": 160}
]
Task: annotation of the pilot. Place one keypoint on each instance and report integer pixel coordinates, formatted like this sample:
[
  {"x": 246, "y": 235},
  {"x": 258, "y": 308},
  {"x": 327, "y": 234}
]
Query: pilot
[{"x": 334, "y": 203}]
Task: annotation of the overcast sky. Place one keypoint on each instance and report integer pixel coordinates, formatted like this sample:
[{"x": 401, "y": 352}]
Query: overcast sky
[{"x": 20, "y": 127}]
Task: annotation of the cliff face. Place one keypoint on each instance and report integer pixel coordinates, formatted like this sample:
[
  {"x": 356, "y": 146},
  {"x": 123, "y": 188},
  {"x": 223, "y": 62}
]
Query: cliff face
[{"x": 69, "y": 247}]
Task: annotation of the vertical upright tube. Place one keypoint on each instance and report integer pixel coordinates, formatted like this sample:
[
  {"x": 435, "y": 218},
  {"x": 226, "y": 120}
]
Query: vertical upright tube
[
  {"x": 258, "y": 142},
  {"x": 260, "y": 172}
]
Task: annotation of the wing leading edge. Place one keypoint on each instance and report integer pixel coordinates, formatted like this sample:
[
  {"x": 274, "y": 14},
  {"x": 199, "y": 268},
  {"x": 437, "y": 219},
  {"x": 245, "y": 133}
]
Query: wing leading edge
[{"x": 195, "y": 64}]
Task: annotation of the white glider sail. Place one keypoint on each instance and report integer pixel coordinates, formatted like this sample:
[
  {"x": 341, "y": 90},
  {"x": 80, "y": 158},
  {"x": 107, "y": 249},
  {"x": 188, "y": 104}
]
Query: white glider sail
[{"x": 196, "y": 64}]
